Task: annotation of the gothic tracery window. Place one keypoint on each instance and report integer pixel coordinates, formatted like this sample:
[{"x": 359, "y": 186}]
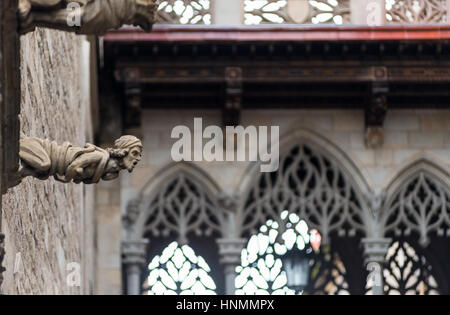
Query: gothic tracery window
[
  {"x": 178, "y": 270},
  {"x": 421, "y": 206},
  {"x": 182, "y": 206},
  {"x": 311, "y": 185},
  {"x": 184, "y": 12},
  {"x": 261, "y": 269},
  {"x": 182, "y": 209},
  {"x": 292, "y": 12},
  {"x": 416, "y": 11}
]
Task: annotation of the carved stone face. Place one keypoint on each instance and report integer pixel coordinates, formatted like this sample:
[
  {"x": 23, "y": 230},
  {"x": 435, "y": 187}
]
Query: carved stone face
[{"x": 132, "y": 158}]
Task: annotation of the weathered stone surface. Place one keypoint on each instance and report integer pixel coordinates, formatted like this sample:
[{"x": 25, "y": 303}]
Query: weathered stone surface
[
  {"x": 94, "y": 17},
  {"x": 67, "y": 163},
  {"x": 48, "y": 225}
]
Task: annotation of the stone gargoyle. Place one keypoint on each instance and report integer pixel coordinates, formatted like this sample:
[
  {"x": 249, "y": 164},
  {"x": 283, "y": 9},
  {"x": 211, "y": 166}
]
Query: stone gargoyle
[
  {"x": 66, "y": 163},
  {"x": 90, "y": 17}
]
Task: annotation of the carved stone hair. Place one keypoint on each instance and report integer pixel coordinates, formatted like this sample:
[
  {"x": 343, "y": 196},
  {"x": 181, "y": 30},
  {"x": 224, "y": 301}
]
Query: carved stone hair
[{"x": 123, "y": 145}]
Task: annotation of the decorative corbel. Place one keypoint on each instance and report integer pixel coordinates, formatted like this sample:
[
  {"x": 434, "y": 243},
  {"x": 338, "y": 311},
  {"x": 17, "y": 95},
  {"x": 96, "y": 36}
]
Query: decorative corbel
[
  {"x": 233, "y": 96},
  {"x": 376, "y": 108},
  {"x": 90, "y": 17},
  {"x": 228, "y": 202},
  {"x": 132, "y": 212},
  {"x": 376, "y": 203},
  {"x": 66, "y": 163}
]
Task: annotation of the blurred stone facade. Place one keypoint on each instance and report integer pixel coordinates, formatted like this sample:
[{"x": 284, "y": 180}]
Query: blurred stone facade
[{"x": 50, "y": 225}]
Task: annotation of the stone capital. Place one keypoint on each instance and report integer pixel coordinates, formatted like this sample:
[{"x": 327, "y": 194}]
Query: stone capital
[
  {"x": 230, "y": 251},
  {"x": 375, "y": 249},
  {"x": 134, "y": 252}
]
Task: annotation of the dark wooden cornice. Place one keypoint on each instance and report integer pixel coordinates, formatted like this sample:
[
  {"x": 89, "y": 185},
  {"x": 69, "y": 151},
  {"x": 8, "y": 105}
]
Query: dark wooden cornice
[{"x": 285, "y": 67}]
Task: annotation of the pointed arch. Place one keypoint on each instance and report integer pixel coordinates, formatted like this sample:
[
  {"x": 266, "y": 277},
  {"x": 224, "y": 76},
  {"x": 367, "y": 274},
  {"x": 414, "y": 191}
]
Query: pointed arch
[
  {"x": 418, "y": 201},
  {"x": 319, "y": 142},
  {"x": 308, "y": 159},
  {"x": 180, "y": 199},
  {"x": 172, "y": 170},
  {"x": 420, "y": 164}
]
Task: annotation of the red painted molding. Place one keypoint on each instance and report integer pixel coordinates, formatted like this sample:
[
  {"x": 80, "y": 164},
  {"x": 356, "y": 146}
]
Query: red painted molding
[{"x": 280, "y": 33}]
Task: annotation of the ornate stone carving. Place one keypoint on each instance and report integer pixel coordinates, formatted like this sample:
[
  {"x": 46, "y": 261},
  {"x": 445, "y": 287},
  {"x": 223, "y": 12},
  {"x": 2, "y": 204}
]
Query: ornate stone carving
[
  {"x": 376, "y": 203},
  {"x": 44, "y": 158},
  {"x": 297, "y": 12},
  {"x": 417, "y": 11},
  {"x": 228, "y": 202},
  {"x": 311, "y": 185},
  {"x": 183, "y": 206},
  {"x": 184, "y": 12},
  {"x": 132, "y": 213},
  {"x": 420, "y": 206},
  {"x": 93, "y": 17}
]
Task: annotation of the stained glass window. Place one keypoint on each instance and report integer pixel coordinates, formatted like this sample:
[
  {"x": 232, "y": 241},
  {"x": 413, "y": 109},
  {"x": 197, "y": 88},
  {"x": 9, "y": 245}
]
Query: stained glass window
[{"x": 178, "y": 270}]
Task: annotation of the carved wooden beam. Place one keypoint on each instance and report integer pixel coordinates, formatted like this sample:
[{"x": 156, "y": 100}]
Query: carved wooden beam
[
  {"x": 91, "y": 17},
  {"x": 66, "y": 163},
  {"x": 233, "y": 96},
  {"x": 376, "y": 108}
]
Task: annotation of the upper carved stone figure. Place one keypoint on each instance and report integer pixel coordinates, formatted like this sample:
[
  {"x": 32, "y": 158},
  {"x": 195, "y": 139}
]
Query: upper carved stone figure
[
  {"x": 44, "y": 158},
  {"x": 93, "y": 17}
]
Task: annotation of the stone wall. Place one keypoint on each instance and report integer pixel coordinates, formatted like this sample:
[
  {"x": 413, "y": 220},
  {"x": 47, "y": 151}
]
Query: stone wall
[
  {"x": 49, "y": 225},
  {"x": 409, "y": 135}
]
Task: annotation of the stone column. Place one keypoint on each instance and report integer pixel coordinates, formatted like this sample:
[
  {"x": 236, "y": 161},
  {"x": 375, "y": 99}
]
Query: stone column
[
  {"x": 368, "y": 12},
  {"x": 375, "y": 250},
  {"x": 231, "y": 245},
  {"x": 134, "y": 258},
  {"x": 228, "y": 12},
  {"x": 230, "y": 257}
]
